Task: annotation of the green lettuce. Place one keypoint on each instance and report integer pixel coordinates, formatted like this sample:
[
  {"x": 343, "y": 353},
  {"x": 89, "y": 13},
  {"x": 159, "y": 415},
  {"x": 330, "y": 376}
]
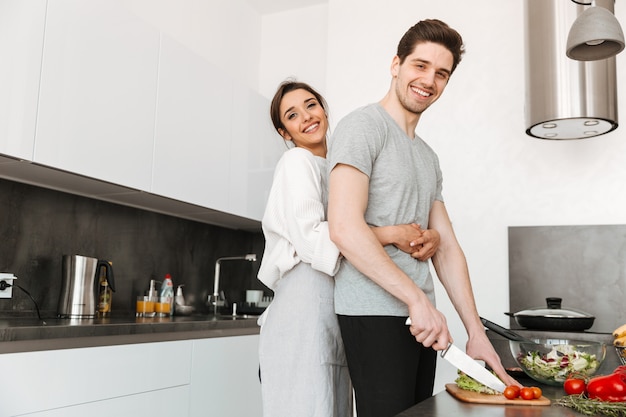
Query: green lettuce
[{"x": 468, "y": 383}]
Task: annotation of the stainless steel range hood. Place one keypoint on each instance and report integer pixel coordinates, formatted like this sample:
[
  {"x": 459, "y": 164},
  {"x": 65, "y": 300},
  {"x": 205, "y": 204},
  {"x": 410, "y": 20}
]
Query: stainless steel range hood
[{"x": 565, "y": 99}]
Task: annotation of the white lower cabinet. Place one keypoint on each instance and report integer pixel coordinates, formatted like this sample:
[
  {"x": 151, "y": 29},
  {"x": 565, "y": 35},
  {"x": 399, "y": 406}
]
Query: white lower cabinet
[
  {"x": 225, "y": 377},
  {"x": 170, "y": 402},
  {"x": 95, "y": 379},
  {"x": 217, "y": 377}
]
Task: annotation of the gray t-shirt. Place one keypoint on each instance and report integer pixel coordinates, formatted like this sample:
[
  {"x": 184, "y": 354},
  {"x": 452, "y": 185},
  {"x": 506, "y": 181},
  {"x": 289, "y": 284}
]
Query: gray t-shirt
[{"x": 405, "y": 180}]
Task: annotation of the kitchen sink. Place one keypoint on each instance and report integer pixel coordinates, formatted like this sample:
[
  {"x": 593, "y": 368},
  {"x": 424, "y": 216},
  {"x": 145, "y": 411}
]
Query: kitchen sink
[{"x": 231, "y": 317}]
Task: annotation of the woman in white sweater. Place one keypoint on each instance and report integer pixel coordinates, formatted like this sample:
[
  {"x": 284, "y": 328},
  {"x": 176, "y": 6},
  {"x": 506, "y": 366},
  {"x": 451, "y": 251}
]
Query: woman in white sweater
[{"x": 302, "y": 363}]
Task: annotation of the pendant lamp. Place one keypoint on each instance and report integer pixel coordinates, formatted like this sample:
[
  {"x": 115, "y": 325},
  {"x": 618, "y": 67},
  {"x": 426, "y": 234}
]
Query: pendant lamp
[{"x": 595, "y": 34}]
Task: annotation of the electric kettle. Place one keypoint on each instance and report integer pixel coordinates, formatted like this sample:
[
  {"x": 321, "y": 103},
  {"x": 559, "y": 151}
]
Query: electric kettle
[{"x": 78, "y": 287}]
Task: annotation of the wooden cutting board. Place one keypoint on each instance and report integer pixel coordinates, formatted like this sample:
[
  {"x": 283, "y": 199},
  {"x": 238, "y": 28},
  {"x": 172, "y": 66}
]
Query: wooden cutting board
[{"x": 476, "y": 397}]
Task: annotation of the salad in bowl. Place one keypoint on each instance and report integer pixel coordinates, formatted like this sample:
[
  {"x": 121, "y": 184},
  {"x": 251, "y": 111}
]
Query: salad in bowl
[{"x": 551, "y": 361}]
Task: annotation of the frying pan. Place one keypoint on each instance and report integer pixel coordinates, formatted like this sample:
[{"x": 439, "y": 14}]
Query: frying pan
[
  {"x": 553, "y": 317},
  {"x": 506, "y": 333}
]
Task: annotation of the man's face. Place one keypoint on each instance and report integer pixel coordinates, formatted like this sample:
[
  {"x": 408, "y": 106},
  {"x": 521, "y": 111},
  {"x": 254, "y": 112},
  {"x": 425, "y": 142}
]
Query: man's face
[{"x": 422, "y": 77}]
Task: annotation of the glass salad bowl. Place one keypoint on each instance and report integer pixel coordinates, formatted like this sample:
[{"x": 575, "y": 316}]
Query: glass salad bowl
[{"x": 551, "y": 361}]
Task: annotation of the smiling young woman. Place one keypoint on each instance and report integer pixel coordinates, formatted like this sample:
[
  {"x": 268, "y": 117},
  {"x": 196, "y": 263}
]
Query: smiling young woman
[{"x": 304, "y": 121}]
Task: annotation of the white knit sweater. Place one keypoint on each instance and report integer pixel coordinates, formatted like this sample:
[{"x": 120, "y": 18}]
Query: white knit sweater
[{"x": 294, "y": 222}]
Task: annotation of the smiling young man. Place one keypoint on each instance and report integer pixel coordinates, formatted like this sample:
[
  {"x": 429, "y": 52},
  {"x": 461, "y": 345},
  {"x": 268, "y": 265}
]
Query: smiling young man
[{"x": 382, "y": 173}]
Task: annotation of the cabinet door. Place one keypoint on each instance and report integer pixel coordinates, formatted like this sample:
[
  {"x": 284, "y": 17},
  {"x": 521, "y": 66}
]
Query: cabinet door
[
  {"x": 265, "y": 150},
  {"x": 39, "y": 381},
  {"x": 171, "y": 402},
  {"x": 242, "y": 109},
  {"x": 98, "y": 92},
  {"x": 225, "y": 377},
  {"x": 193, "y": 129},
  {"x": 256, "y": 148},
  {"x": 21, "y": 43}
]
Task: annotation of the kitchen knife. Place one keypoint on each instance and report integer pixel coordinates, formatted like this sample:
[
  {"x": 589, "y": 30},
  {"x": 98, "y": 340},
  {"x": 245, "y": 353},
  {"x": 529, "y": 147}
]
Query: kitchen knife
[{"x": 466, "y": 364}]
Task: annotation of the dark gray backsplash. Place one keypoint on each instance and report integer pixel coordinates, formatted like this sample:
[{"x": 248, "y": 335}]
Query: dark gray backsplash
[
  {"x": 584, "y": 265},
  {"x": 38, "y": 226}
]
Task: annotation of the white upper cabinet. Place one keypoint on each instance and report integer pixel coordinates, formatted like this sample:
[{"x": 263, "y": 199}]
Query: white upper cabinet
[
  {"x": 193, "y": 129},
  {"x": 91, "y": 88},
  {"x": 256, "y": 148},
  {"x": 242, "y": 108},
  {"x": 214, "y": 143},
  {"x": 98, "y": 92},
  {"x": 21, "y": 43}
]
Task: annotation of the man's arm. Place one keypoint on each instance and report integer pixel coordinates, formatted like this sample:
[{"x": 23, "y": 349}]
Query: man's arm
[
  {"x": 451, "y": 267},
  {"x": 347, "y": 202}
]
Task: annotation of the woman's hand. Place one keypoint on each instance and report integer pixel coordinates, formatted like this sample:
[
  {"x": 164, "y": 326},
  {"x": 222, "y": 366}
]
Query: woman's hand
[
  {"x": 409, "y": 238},
  {"x": 426, "y": 245}
]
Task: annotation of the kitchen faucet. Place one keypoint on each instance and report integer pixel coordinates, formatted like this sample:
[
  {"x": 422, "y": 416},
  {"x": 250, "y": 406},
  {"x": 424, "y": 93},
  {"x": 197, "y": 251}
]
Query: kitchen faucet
[{"x": 215, "y": 298}]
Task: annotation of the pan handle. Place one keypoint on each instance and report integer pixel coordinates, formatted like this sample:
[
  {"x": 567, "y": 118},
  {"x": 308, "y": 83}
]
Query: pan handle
[{"x": 503, "y": 332}]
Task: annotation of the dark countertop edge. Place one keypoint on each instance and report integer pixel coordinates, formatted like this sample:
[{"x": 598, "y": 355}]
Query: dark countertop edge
[{"x": 41, "y": 338}]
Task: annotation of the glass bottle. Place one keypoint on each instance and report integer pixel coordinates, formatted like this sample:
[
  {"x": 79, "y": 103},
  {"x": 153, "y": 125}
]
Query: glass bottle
[{"x": 105, "y": 294}]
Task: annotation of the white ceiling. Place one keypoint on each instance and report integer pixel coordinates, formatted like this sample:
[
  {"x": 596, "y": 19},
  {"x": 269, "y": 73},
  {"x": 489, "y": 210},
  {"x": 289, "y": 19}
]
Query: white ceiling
[{"x": 273, "y": 6}]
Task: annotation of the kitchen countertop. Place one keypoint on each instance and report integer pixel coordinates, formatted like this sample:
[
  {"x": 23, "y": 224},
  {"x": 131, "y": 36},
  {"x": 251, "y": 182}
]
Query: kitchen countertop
[
  {"x": 445, "y": 405},
  {"x": 32, "y": 334}
]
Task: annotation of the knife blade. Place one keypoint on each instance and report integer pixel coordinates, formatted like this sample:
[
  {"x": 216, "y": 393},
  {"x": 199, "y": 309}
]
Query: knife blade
[{"x": 465, "y": 363}]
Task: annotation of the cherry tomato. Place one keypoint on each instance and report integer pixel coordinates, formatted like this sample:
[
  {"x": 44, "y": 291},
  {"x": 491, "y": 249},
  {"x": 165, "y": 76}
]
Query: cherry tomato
[
  {"x": 511, "y": 392},
  {"x": 527, "y": 393},
  {"x": 574, "y": 386},
  {"x": 536, "y": 392}
]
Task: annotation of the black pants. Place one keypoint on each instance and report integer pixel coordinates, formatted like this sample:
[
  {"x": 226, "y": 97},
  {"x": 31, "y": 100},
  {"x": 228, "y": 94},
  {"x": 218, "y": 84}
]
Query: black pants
[{"x": 390, "y": 371}]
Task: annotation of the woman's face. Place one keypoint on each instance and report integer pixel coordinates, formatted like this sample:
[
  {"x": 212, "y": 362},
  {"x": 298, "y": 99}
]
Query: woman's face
[{"x": 305, "y": 121}]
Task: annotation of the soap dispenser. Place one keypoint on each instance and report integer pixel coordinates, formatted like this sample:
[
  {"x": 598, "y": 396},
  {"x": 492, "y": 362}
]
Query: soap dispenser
[
  {"x": 179, "y": 300},
  {"x": 167, "y": 294},
  {"x": 180, "y": 305}
]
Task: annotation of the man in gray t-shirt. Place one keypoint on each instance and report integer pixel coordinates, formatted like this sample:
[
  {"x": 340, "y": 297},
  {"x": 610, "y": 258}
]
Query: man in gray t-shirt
[
  {"x": 381, "y": 174},
  {"x": 378, "y": 148}
]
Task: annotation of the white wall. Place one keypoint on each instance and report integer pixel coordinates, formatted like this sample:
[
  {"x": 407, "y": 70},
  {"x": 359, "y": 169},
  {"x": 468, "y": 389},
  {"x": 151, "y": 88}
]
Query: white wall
[{"x": 495, "y": 176}]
